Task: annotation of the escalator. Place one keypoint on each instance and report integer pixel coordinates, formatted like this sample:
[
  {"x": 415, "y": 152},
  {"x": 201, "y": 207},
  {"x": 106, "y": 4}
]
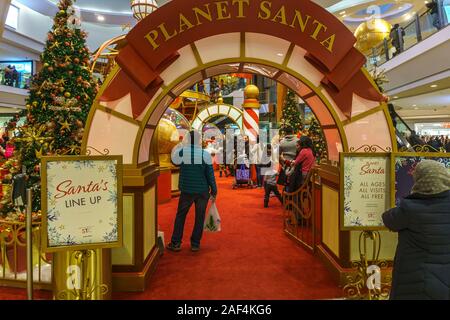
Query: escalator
[{"x": 407, "y": 139}]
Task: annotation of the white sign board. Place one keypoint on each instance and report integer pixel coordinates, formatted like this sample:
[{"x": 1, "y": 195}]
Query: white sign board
[
  {"x": 82, "y": 202},
  {"x": 365, "y": 190}
]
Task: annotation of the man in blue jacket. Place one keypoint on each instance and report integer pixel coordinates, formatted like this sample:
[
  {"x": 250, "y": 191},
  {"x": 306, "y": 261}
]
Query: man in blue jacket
[{"x": 197, "y": 184}]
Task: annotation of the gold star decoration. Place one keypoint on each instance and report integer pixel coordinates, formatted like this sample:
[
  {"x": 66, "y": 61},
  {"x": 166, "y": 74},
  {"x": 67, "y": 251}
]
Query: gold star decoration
[
  {"x": 55, "y": 44},
  {"x": 44, "y": 105},
  {"x": 38, "y": 153},
  {"x": 68, "y": 59},
  {"x": 73, "y": 148},
  {"x": 30, "y": 135},
  {"x": 65, "y": 125}
]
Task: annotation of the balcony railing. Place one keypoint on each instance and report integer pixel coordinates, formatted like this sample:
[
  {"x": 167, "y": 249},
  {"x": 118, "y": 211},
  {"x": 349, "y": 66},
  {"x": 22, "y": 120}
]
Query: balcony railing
[{"x": 421, "y": 27}]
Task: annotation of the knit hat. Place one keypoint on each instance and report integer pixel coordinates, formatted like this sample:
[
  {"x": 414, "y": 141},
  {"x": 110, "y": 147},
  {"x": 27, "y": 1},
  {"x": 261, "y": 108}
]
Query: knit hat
[{"x": 431, "y": 177}]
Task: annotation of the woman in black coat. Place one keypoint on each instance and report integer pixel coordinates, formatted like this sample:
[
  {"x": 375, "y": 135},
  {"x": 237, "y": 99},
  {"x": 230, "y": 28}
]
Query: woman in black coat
[{"x": 422, "y": 220}]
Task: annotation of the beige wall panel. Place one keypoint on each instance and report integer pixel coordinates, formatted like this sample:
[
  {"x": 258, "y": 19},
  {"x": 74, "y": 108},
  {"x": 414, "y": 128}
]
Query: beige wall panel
[
  {"x": 388, "y": 245},
  {"x": 124, "y": 255},
  {"x": 219, "y": 47},
  {"x": 330, "y": 219},
  {"x": 371, "y": 130},
  {"x": 114, "y": 134},
  {"x": 149, "y": 220},
  {"x": 183, "y": 64},
  {"x": 265, "y": 47}
]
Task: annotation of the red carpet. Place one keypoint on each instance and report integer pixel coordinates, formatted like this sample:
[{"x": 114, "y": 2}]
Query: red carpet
[{"x": 250, "y": 258}]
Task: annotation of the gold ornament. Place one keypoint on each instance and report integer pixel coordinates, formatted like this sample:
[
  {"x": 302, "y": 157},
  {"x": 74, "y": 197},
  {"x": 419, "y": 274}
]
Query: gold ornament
[
  {"x": 251, "y": 94},
  {"x": 33, "y": 135},
  {"x": 370, "y": 34},
  {"x": 67, "y": 94},
  {"x": 64, "y": 125},
  {"x": 55, "y": 45},
  {"x": 35, "y": 103},
  {"x": 50, "y": 125},
  {"x": 38, "y": 153},
  {"x": 168, "y": 136}
]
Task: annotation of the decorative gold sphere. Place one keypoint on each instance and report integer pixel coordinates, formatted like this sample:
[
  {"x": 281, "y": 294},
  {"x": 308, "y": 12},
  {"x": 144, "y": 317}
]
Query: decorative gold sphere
[
  {"x": 142, "y": 8},
  {"x": 251, "y": 92},
  {"x": 168, "y": 136},
  {"x": 371, "y": 34}
]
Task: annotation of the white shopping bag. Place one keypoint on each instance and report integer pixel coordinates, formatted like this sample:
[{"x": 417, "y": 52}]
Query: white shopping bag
[{"x": 212, "y": 221}]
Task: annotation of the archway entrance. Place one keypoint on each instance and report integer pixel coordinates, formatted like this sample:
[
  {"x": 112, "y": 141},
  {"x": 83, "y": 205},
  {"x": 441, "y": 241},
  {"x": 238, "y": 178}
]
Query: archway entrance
[
  {"x": 298, "y": 44},
  {"x": 215, "y": 111}
]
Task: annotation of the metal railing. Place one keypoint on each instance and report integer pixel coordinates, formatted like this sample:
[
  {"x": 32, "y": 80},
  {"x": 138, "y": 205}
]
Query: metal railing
[
  {"x": 13, "y": 255},
  {"x": 418, "y": 29},
  {"x": 299, "y": 212}
]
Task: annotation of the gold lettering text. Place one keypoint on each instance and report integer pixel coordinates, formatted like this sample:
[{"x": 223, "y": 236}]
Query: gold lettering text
[
  {"x": 204, "y": 14},
  {"x": 241, "y": 7},
  {"x": 329, "y": 42},
  {"x": 265, "y": 8},
  {"x": 166, "y": 34},
  {"x": 281, "y": 16},
  {"x": 318, "y": 28},
  {"x": 151, "y": 37},
  {"x": 298, "y": 17},
  {"x": 222, "y": 10},
  {"x": 185, "y": 24}
]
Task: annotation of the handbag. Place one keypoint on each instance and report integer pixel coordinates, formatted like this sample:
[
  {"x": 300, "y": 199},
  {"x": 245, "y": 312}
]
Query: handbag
[{"x": 212, "y": 221}]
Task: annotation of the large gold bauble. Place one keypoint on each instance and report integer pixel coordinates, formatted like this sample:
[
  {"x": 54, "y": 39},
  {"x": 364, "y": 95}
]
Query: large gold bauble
[
  {"x": 370, "y": 34},
  {"x": 168, "y": 136},
  {"x": 251, "y": 92}
]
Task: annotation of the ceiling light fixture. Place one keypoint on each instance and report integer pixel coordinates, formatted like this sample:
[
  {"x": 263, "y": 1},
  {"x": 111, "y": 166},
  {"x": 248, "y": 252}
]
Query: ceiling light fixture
[
  {"x": 395, "y": 97},
  {"x": 280, "y": 54},
  {"x": 342, "y": 12},
  {"x": 433, "y": 86},
  {"x": 100, "y": 18}
]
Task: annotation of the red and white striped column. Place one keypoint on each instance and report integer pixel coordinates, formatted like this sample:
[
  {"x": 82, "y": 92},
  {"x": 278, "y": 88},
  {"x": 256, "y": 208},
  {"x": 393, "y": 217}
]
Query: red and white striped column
[{"x": 251, "y": 112}]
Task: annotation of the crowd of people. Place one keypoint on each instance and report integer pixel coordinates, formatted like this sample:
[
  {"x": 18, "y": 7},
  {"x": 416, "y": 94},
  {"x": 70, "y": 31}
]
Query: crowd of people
[
  {"x": 11, "y": 76},
  {"x": 440, "y": 143},
  {"x": 286, "y": 163}
]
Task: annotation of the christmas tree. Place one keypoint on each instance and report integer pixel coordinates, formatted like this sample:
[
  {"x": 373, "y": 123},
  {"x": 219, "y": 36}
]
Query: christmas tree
[
  {"x": 291, "y": 114},
  {"x": 316, "y": 134},
  {"x": 60, "y": 98}
]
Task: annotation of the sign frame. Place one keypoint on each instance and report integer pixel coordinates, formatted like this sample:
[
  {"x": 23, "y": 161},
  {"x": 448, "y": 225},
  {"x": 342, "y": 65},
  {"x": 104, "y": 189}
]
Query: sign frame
[
  {"x": 395, "y": 155},
  {"x": 44, "y": 205},
  {"x": 342, "y": 156}
]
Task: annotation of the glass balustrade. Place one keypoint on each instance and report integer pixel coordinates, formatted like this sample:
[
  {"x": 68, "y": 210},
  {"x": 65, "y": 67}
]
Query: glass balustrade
[{"x": 420, "y": 27}]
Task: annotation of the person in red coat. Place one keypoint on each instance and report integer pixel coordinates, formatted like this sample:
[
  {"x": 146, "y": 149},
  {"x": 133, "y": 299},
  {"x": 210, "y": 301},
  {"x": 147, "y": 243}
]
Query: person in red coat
[{"x": 303, "y": 162}]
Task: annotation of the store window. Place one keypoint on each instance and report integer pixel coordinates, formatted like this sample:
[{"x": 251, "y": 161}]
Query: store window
[
  {"x": 16, "y": 73},
  {"x": 12, "y": 19},
  {"x": 433, "y": 129}
]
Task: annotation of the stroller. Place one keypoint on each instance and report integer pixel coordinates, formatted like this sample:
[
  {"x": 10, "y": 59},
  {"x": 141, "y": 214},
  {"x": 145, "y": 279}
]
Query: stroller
[{"x": 242, "y": 177}]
